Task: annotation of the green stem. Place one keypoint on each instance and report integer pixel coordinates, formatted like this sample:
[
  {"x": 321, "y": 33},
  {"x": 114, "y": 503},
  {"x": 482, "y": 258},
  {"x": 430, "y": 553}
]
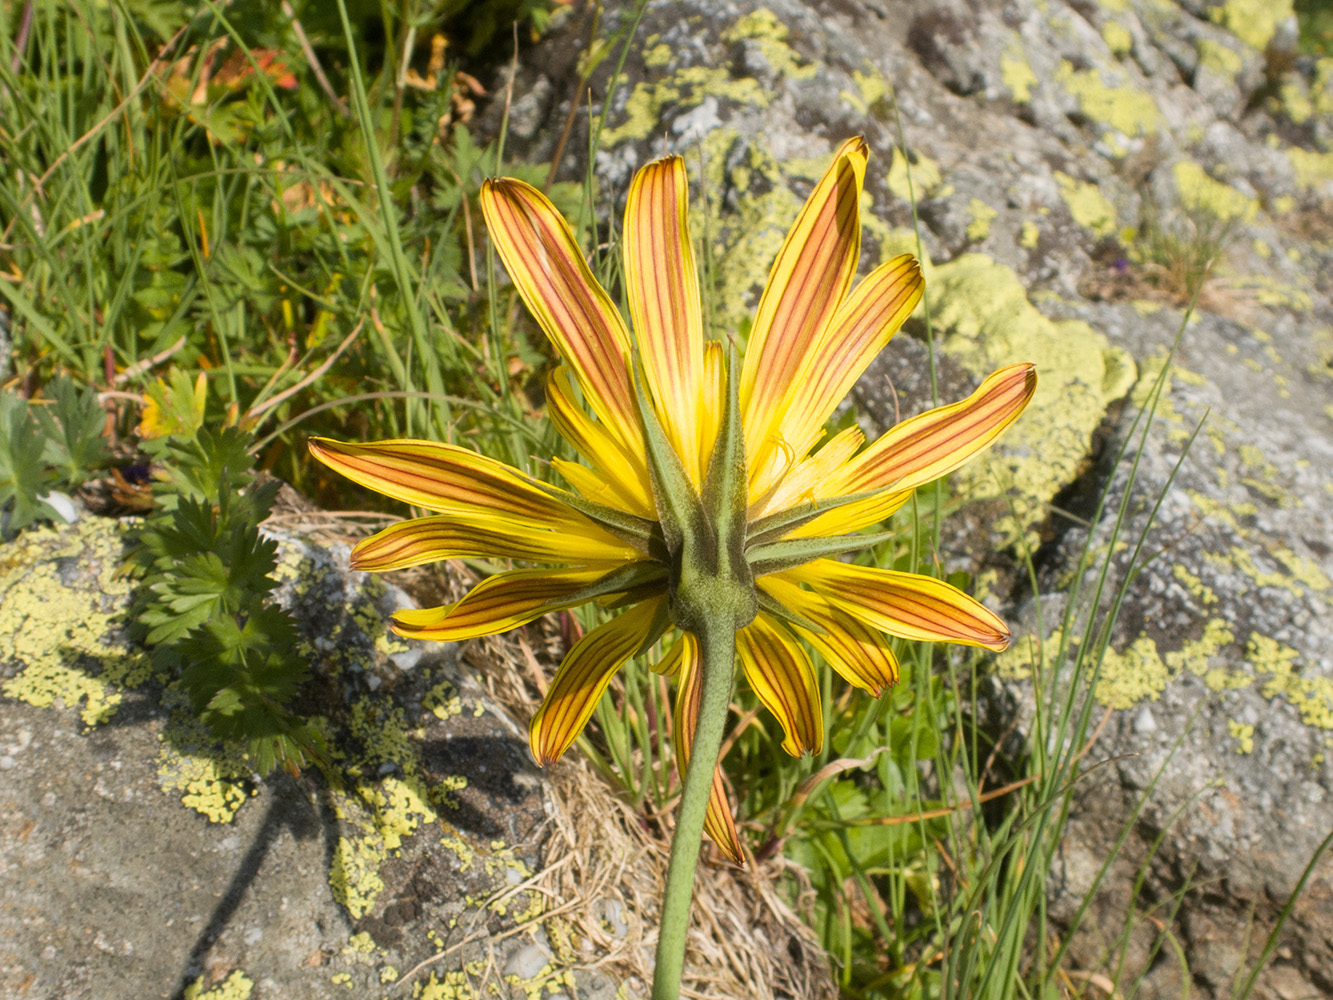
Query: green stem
[{"x": 717, "y": 644}]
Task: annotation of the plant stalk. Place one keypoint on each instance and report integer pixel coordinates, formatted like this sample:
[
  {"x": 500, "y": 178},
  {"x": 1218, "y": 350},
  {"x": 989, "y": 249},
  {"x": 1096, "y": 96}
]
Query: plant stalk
[{"x": 717, "y": 647}]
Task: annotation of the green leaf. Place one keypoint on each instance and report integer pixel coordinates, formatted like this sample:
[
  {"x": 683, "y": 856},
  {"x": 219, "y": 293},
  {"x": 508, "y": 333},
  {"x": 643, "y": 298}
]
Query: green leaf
[
  {"x": 23, "y": 473},
  {"x": 73, "y": 425}
]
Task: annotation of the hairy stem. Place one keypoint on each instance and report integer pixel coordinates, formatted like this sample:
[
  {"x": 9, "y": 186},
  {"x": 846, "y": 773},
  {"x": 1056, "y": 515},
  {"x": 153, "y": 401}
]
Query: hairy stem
[{"x": 717, "y": 642}]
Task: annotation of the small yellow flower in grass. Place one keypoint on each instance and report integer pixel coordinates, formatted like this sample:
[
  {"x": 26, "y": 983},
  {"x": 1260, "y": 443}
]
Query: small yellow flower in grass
[{"x": 706, "y": 491}]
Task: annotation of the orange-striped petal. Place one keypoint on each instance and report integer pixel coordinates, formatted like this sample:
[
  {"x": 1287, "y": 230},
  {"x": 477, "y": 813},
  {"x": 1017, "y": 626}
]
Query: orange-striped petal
[
  {"x": 444, "y": 478},
  {"x": 582, "y": 677},
  {"x": 718, "y": 823},
  {"x": 714, "y": 395},
  {"x": 623, "y": 471},
  {"x": 905, "y": 604},
  {"x": 497, "y": 604},
  {"x": 782, "y": 678},
  {"x": 662, "y": 287},
  {"x": 470, "y": 536},
  {"x": 860, "y": 654},
  {"x": 805, "y": 288},
  {"x": 549, "y": 271},
  {"x": 937, "y": 442},
  {"x": 873, "y": 313}
]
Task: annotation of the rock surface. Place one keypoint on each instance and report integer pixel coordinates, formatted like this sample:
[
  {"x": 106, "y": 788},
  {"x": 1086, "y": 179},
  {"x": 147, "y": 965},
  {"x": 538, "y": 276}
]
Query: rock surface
[
  {"x": 427, "y": 858},
  {"x": 1069, "y": 161}
]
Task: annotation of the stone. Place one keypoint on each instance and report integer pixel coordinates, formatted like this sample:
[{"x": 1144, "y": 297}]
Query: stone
[{"x": 138, "y": 857}]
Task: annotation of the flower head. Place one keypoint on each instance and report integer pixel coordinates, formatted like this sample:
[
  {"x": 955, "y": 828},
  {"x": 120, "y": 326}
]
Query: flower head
[{"x": 698, "y": 467}]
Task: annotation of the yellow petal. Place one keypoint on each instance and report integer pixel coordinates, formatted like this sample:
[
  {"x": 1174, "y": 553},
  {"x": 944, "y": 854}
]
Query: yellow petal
[
  {"x": 860, "y": 654},
  {"x": 549, "y": 271},
  {"x": 669, "y": 664},
  {"x": 471, "y": 536},
  {"x": 803, "y": 482},
  {"x": 662, "y": 287},
  {"x": 718, "y": 823},
  {"x": 926, "y": 447},
  {"x": 861, "y": 329},
  {"x": 444, "y": 478},
  {"x": 497, "y": 604},
  {"x": 624, "y": 472},
  {"x": 782, "y": 678},
  {"x": 805, "y": 288},
  {"x": 714, "y": 395},
  {"x": 582, "y": 677},
  {"x": 905, "y": 604},
  {"x": 853, "y": 516}
]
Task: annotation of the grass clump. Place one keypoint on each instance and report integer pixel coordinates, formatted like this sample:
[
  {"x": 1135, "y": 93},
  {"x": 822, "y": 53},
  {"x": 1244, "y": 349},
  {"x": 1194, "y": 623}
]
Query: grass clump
[{"x": 186, "y": 194}]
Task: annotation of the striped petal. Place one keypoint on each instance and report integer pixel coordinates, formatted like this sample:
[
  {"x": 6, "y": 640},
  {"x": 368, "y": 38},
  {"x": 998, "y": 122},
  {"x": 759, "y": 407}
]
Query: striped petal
[
  {"x": 582, "y": 677},
  {"x": 445, "y": 478},
  {"x": 718, "y": 823},
  {"x": 662, "y": 287},
  {"x": 905, "y": 604},
  {"x": 860, "y": 654},
  {"x": 861, "y": 329},
  {"x": 782, "y": 678},
  {"x": 549, "y": 271},
  {"x": 624, "y": 471},
  {"x": 497, "y": 604},
  {"x": 714, "y": 395},
  {"x": 922, "y": 449},
  {"x": 805, "y": 288},
  {"x": 472, "y": 536}
]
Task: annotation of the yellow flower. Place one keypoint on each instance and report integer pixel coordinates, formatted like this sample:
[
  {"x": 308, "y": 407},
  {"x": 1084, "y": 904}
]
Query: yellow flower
[{"x": 658, "y": 434}]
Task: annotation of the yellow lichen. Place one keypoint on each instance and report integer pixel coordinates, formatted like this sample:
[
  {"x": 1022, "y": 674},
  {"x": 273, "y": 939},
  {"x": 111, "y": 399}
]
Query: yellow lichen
[
  {"x": 1244, "y": 734},
  {"x": 354, "y": 874},
  {"x": 1117, "y": 37},
  {"x": 1119, "y": 105},
  {"x": 1089, "y": 207},
  {"x": 1016, "y": 73},
  {"x": 454, "y": 986},
  {"x": 67, "y": 638},
  {"x": 1197, "y": 588},
  {"x": 1194, "y": 654},
  {"x": 465, "y": 851},
  {"x": 1200, "y": 193},
  {"x": 237, "y": 986},
  {"x": 1311, "y": 696},
  {"x": 764, "y": 29},
  {"x": 1219, "y": 57},
  {"x": 980, "y": 216},
  {"x": 1029, "y": 236},
  {"x": 657, "y": 56},
  {"x": 1254, "y": 22},
  {"x": 212, "y": 784},
  {"x": 1026, "y": 656},
  {"x": 924, "y": 180},
  {"x": 443, "y": 701},
  {"x": 1135, "y": 675},
  {"x": 871, "y": 88},
  {"x": 1312, "y": 169}
]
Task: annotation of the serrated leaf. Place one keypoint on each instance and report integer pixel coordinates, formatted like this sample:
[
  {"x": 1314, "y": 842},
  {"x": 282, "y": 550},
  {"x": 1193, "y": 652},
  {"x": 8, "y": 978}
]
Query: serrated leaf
[
  {"x": 23, "y": 474},
  {"x": 174, "y": 409},
  {"x": 73, "y": 424}
]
